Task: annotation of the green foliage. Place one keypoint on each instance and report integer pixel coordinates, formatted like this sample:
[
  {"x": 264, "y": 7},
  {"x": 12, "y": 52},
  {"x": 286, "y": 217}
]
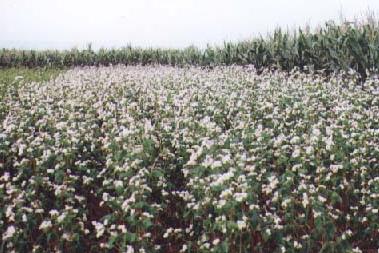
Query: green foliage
[
  {"x": 162, "y": 159},
  {"x": 15, "y": 77},
  {"x": 333, "y": 47},
  {"x": 8, "y": 76}
]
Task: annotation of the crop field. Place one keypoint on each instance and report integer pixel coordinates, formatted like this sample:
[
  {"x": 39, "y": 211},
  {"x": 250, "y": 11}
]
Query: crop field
[
  {"x": 164, "y": 159},
  {"x": 330, "y": 48}
]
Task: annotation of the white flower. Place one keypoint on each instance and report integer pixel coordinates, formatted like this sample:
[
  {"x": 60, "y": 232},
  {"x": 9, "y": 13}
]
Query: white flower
[
  {"x": 357, "y": 250},
  {"x": 45, "y": 225},
  {"x": 305, "y": 200},
  {"x": 285, "y": 203},
  {"x": 54, "y": 213},
  {"x": 118, "y": 183},
  {"x": 239, "y": 197},
  {"x": 129, "y": 249},
  {"x": 297, "y": 245},
  {"x": 5, "y": 177},
  {"x": 343, "y": 236},
  {"x": 241, "y": 224},
  {"x": 10, "y": 214},
  {"x": 216, "y": 241},
  {"x": 216, "y": 164},
  {"x": 61, "y": 217},
  {"x": 268, "y": 231},
  {"x": 221, "y": 203},
  {"x": 296, "y": 153},
  {"x": 321, "y": 198},
  {"x": 67, "y": 236},
  {"x": 184, "y": 248},
  {"x": 295, "y": 140},
  {"x": 316, "y": 214},
  {"x": 316, "y": 132},
  {"x": 11, "y": 230},
  {"x": 105, "y": 196},
  {"x": 99, "y": 227},
  {"x": 223, "y": 178},
  {"x": 309, "y": 150},
  {"x": 335, "y": 167}
]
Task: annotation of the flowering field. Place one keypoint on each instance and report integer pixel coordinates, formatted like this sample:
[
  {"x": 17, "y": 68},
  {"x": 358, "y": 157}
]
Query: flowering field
[{"x": 164, "y": 159}]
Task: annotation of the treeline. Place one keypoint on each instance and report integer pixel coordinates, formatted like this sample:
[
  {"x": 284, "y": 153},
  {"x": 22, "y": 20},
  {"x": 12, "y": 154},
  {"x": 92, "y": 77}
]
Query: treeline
[{"x": 330, "y": 48}]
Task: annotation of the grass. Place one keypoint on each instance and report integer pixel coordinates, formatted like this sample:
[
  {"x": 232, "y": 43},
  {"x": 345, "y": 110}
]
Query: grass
[
  {"x": 15, "y": 77},
  {"x": 19, "y": 75}
]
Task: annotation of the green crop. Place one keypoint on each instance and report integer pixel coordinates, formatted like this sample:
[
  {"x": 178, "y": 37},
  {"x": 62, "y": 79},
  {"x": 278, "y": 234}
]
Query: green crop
[{"x": 333, "y": 47}]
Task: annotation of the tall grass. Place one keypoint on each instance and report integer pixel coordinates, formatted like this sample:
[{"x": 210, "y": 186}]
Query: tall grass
[{"x": 332, "y": 47}]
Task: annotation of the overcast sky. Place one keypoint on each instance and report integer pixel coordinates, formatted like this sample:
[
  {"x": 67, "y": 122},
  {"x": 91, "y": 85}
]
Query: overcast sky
[{"x": 159, "y": 23}]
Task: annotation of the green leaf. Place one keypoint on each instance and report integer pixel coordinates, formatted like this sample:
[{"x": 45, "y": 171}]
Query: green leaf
[{"x": 335, "y": 198}]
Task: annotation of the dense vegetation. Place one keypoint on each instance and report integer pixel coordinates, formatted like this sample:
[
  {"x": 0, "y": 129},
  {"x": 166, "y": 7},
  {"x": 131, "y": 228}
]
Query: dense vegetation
[
  {"x": 13, "y": 78},
  {"x": 17, "y": 76},
  {"x": 163, "y": 159},
  {"x": 332, "y": 47},
  {"x": 269, "y": 157}
]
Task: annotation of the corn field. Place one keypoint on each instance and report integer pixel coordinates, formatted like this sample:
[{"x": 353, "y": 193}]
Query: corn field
[{"x": 333, "y": 47}]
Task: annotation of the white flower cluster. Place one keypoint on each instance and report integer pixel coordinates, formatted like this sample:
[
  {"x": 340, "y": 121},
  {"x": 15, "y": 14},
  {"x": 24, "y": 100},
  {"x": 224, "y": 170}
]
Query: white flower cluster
[{"x": 145, "y": 159}]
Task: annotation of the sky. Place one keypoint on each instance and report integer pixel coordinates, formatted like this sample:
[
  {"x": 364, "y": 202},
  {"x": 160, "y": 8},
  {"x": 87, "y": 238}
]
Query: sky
[{"x": 63, "y": 24}]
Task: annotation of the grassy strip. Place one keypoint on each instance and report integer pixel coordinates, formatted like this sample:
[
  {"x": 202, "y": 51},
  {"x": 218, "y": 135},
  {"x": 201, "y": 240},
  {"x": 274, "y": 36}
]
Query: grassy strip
[
  {"x": 16, "y": 76},
  {"x": 12, "y": 78}
]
